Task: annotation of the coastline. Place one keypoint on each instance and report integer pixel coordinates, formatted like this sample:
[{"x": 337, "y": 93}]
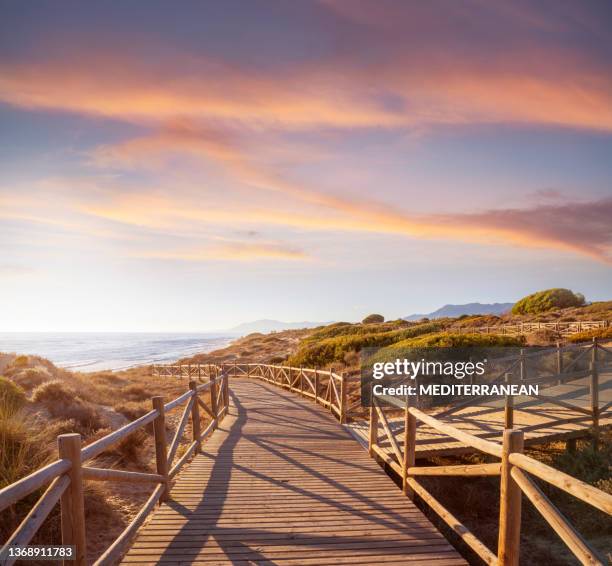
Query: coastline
[{"x": 111, "y": 351}]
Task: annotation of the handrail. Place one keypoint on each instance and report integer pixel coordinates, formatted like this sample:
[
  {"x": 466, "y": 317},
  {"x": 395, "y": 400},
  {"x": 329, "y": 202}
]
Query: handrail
[
  {"x": 513, "y": 481},
  {"x": 564, "y": 328},
  {"x": 66, "y": 475},
  {"x": 23, "y": 487},
  {"x": 95, "y": 448},
  {"x": 321, "y": 387}
]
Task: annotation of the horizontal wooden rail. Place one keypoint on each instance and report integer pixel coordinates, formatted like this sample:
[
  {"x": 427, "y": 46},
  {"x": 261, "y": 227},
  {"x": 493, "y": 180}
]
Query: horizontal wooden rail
[
  {"x": 330, "y": 390},
  {"x": 512, "y": 481},
  {"x": 556, "y": 520},
  {"x": 579, "y": 489},
  {"x": 35, "y": 518},
  {"x": 105, "y": 474},
  {"x": 12, "y": 493},
  {"x": 486, "y": 446},
  {"x": 564, "y": 328},
  {"x": 66, "y": 475},
  {"x": 114, "y": 552},
  {"x": 459, "y": 470},
  {"x": 455, "y": 524},
  {"x": 95, "y": 448}
]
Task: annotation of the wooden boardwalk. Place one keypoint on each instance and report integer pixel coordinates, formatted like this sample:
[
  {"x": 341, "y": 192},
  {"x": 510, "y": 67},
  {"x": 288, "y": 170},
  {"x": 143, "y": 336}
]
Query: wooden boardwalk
[
  {"x": 540, "y": 421},
  {"x": 281, "y": 482}
]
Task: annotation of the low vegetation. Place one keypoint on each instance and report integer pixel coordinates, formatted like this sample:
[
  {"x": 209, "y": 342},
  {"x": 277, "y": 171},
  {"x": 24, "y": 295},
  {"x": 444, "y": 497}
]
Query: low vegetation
[
  {"x": 548, "y": 300},
  {"x": 599, "y": 333},
  {"x": 373, "y": 319},
  {"x": 477, "y": 502},
  {"x": 39, "y": 401},
  {"x": 337, "y": 349}
]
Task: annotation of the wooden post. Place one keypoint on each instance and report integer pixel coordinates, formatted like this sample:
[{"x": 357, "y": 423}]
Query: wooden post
[
  {"x": 409, "y": 447},
  {"x": 559, "y": 362},
  {"x": 509, "y": 405},
  {"x": 508, "y": 546},
  {"x": 72, "y": 501},
  {"x": 522, "y": 369},
  {"x": 226, "y": 392},
  {"x": 594, "y": 394},
  {"x": 343, "y": 398},
  {"x": 290, "y": 379},
  {"x": 161, "y": 449},
  {"x": 316, "y": 384},
  {"x": 301, "y": 380},
  {"x": 195, "y": 415},
  {"x": 213, "y": 402},
  {"x": 373, "y": 436}
]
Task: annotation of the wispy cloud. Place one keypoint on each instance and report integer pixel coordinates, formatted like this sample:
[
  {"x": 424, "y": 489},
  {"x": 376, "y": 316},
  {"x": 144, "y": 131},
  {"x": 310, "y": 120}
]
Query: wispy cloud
[
  {"x": 231, "y": 251},
  {"x": 578, "y": 227},
  {"x": 403, "y": 91}
]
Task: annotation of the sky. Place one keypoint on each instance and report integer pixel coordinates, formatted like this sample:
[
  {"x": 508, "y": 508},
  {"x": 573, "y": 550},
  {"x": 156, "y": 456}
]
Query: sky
[{"x": 191, "y": 166}]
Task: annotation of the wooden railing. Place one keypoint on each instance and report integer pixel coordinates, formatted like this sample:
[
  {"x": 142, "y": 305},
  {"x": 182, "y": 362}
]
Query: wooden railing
[
  {"x": 66, "y": 475},
  {"x": 514, "y": 470},
  {"x": 340, "y": 393},
  {"x": 563, "y": 328},
  {"x": 588, "y": 360}
]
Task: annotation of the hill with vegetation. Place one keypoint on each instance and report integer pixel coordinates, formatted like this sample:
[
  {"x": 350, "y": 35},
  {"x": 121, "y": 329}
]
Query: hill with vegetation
[
  {"x": 548, "y": 300},
  {"x": 454, "y": 311},
  {"x": 340, "y": 343}
]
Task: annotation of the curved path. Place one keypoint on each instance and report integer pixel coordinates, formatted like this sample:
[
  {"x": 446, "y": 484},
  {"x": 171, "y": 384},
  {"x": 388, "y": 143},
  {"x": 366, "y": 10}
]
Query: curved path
[{"x": 281, "y": 482}]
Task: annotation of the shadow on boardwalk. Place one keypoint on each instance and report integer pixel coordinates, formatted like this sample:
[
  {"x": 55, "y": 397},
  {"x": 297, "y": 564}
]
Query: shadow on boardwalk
[{"x": 282, "y": 482}]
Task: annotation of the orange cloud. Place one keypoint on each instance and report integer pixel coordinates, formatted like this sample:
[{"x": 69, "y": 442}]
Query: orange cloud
[
  {"x": 558, "y": 227},
  {"x": 331, "y": 94}
]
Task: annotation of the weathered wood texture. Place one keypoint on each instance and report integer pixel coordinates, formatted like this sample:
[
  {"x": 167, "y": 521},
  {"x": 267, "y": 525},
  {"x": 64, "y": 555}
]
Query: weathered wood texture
[
  {"x": 540, "y": 420},
  {"x": 282, "y": 482}
]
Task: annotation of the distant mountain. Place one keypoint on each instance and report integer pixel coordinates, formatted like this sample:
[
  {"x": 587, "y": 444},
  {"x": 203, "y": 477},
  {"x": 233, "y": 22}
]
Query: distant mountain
[
  {"x": 265, "y": 325},
  {"x": 458, "y": 310}
]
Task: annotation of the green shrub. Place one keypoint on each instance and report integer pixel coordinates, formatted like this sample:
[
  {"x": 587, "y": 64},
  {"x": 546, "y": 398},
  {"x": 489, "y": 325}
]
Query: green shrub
[
  {"x": 451, "y": 340},
  {"x": 548, "y": 300},
  {"x": 373, "y": 318},
  {"x": 12, "y": 398},
  {"x": 334, "y": 350},
  {"x": 603, "y": 333},
  {"x": 346, "y": 329}
]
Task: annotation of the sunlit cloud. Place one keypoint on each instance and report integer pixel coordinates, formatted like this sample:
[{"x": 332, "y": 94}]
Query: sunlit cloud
[
  {"x": 582, "y": 228},
  {"x": 231, "y": 251},
  {"x": 331, "y": 94}
]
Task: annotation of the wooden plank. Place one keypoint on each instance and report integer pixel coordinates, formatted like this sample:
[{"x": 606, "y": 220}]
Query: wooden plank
[{"x": 281, "y": 481}]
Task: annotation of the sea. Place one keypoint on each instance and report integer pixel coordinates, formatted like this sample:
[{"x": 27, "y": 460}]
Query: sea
[{"x": 94, "y": 351}]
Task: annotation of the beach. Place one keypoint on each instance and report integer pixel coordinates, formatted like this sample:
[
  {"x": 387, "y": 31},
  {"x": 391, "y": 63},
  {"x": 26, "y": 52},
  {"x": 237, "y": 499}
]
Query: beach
[{"x": 84, "y": 351}]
